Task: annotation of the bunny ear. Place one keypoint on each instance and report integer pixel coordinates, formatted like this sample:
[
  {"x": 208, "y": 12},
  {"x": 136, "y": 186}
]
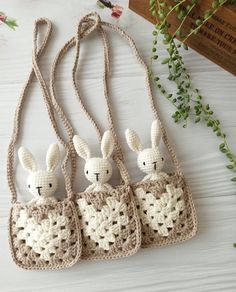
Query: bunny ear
[
  {"x": 133, "y": 140},
  {"x": 81, "y": 147},
  {"x": 26, "y": 159},
  {"x": 107, "y": 144},
  {"x": 155, "y": 133},
  {"x": 53, "y": 157}
]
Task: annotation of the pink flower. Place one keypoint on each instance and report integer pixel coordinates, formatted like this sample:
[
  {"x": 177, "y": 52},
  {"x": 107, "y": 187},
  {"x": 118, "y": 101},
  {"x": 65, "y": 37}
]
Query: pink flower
[
  {"x": 116, "y": 11},
  {"x": 3, "y": 18}
]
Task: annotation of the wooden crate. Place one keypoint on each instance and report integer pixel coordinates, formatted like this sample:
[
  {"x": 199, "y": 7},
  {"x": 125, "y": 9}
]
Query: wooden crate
[{"x": 217, "y": 38}]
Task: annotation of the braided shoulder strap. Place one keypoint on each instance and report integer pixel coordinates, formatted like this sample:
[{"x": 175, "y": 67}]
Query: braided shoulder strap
[{"x": 37, "y": 52}]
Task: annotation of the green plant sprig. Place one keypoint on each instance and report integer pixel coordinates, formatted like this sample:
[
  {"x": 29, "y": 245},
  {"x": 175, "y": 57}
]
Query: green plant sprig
[
  {"x": 216, "y": 4},
  {"x": 187, "y": 100},
  {"x": 164, "y": 12}
]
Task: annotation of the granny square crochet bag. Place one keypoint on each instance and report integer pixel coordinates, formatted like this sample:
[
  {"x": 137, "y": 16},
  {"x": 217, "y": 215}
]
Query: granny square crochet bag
[
  {"x": 44, "y": 232},
  {"x": 108, "y": 215},
  {"x": 163, "y": 200}
]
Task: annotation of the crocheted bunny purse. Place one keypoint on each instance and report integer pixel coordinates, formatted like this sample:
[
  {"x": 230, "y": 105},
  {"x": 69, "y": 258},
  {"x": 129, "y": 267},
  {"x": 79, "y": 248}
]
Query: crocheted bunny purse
[
  {"x": 44, "y": 232},
  {"x": 110, "y": 225},
  {"x": 163, "y": 200},
  {"x": 108, "y": 216}
]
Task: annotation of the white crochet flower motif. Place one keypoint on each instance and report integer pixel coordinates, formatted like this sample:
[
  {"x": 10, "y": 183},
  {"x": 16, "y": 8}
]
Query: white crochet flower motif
[
  {"x": 103, "y": 226},
  {"x": 44, "y": 237},
  {"x": 160, "y": 214}
]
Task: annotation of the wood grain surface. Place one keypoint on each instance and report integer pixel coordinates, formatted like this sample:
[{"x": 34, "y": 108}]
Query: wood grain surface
[{"x": 205, "y": 263}]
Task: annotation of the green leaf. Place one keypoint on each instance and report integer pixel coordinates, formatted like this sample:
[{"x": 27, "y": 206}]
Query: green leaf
[
  {"x": 223, "y": 150},
  {"x": 233, "y": 179},
  {"x": 185, "y": 46},
  {"x": 222, "y": 145},
  {"x": 198, "y": 22},
  {"x": 165, "y": 61},
  {"x": 230, "y": 166},
  {"x": 11, "y": 22}
]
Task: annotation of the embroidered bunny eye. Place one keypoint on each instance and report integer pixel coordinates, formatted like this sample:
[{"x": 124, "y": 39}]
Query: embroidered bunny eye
[
  {"x": 162, "y": 159},
  {"x": 87, "y": 172},
  {"x": 144, "y": 163},
  {"x": 107, "y": 171},
  {"x": 29, "y": 186},
  {"x": 50, "y": 185}
]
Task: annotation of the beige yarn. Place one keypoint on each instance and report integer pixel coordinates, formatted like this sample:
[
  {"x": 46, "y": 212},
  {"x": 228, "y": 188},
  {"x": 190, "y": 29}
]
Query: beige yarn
[{"x": 42, "y": 234}]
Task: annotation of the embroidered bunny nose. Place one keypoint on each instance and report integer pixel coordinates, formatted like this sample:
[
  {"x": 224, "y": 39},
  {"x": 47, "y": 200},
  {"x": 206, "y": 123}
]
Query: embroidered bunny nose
[
  {"x": 38, "y": 188},
  {"x": 155, "y": 165},
  {"x": 97, "y": 174}
]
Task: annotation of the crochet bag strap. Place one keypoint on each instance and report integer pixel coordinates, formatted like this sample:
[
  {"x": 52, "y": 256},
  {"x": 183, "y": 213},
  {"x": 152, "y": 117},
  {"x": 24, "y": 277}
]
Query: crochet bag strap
[
  {"x": 86, "y": 25},
  {"x": 156, "y": 115},
  {"x": 37, "y": 52}
]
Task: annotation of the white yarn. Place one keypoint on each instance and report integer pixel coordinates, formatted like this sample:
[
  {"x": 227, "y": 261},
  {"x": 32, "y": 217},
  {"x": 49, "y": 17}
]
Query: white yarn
[
  {"x": 97, "y": 170},
  {"x": 162, "y": 213},
  {"x": 156, "y": 176},
  {"x": 98, "y": 187},
  {"x": 103, "y": 226},
  {"x": 150, "y": 160},
  {"x": 43, "y": 237},
  {"x": 42, "y": 184},
  {"x": 43, "y": 179}
]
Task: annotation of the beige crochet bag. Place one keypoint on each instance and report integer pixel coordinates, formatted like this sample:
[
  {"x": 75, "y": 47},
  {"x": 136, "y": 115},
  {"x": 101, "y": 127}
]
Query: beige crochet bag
[
  {"x": 43, "y": 233},
  {"x": 164, "y": 201},
  {"x": 107, "y": 215}
]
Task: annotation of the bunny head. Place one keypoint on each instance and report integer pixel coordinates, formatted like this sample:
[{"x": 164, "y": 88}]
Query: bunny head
[
  {"x": 41, "y": 183},
  {"x": 97, "y": 170},
  {"x": 150, "y": 160}
]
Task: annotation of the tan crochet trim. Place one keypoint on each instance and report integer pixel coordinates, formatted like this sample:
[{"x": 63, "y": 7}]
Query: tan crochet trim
[
  {"x": 31, "y": 225},
  {"x": 110, "y": 224}
]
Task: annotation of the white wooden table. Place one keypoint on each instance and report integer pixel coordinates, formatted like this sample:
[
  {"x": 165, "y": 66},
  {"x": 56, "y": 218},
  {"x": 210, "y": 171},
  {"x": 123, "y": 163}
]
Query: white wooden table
[{"x": 205, "y": 263}]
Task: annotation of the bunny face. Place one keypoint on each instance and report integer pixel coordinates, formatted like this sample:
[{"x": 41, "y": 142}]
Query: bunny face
[
  {"x": 40, "y": 183},
  {"x": 97, "y": 170},
  {"x": 150, "y": 160}
]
